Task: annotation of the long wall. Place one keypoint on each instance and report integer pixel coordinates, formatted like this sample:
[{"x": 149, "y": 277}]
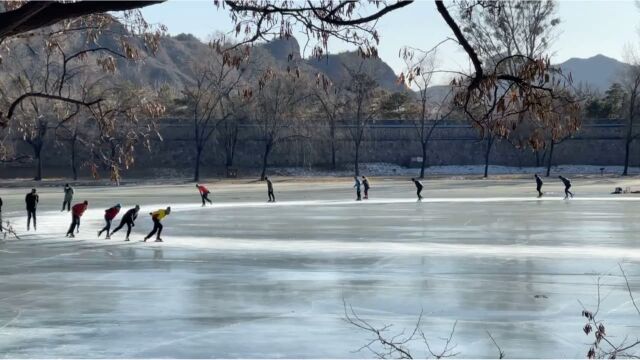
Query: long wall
[{"x": 393, "y": 142}]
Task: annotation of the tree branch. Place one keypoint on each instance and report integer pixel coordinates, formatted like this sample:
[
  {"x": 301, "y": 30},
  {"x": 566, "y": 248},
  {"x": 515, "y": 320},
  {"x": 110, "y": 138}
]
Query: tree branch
[{"x": 35, "y": 14}]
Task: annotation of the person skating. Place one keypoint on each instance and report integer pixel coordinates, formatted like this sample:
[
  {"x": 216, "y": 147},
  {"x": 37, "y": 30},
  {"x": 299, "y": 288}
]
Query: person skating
[
  {"x": 272, "y": 198},
  {"x": 538, "y": 185},
  {"x": 157, "y": 216},
  {"x": 31, "y": 200},
  {"x": 204, "y": 193},
  {"x": 567, "y": 186},
  {"x": 68, "y": 197},
  {"x": 357, "y": 186},
  {"x": 419, "y": 187},
  {"x": 128, "y": 219},
  {"x": 365, "y": 183},
  {"x": 1, "y": 228},
  {"x": 109, "y": 215},
  {"x": 76, "y": 213}
]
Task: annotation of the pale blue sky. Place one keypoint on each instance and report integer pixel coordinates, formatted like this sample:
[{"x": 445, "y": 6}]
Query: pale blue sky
[{"x": 587, "y": 28}]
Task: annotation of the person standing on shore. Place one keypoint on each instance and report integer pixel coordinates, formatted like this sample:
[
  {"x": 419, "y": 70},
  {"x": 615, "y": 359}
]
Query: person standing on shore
[
  {"x": 357, "y": 186},
  {"x": 128, "y": 219},
  {"x": 419, "y": 187},
  {"x": 31, "y": 200},
  {"x": 539, "y": 184},
  {"x": 68, "y": 197},
  {"x": 157, "y": 216},
  {"x": 567, "y": 186},
  {"x": 204, "y": 193},
  {"x": 76, "y": 213},
  {"x": 365, "y": 183},
  {"x": 109, "y": 215},
  {"x": 272, "y": 197}
]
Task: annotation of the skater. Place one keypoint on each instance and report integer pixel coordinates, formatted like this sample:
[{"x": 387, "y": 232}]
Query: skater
[
  {"x": 204, "y": 193},
  {"x": 109, "y": 215},
  {"x": 357, "y": 186},
  {"x": 365, "y": 183},
  {"x": 567, "y": 186},
  {"x": 1, "y": 228},
  {"x": 272, "y": 198},
  {"x": 32, "y": 200},
  {"x": 419, "y": 187},
  {"x": 539, "y": 185},
  {"x": 76, "y": 213},
  {"x": 156, "y": 216},
  {"x": 128, "y": 219},
  {"x": 68, "y": 197}
]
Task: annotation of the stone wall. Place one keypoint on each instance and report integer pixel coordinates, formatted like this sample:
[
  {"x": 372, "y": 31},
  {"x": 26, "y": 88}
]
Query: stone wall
[{"x": 451, "y": 144}]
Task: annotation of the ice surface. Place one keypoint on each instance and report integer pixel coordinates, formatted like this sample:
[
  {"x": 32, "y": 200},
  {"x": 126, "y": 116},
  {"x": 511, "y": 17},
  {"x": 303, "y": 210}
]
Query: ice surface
[{"x": 245, "y": 278}]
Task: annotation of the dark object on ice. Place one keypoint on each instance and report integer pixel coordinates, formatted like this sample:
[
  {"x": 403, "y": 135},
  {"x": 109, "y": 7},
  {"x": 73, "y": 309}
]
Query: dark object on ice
[
  {"x": 540, "y": 296},
  {"x": 618, "y": 190},
  {"x": 601, "y": 171}
]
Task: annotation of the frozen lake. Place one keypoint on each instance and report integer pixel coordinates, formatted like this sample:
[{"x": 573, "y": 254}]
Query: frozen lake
[{"x": 249, "y": 279}]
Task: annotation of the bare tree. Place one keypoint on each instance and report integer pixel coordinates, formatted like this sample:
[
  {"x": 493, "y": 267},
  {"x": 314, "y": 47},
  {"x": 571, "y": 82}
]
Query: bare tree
[
  {"x": 604, "y": 344},
  {"x": 331, "y": 103},
  {"x": 209, "y": 101},
  {"x": 631, "y": 83},
  {"x": 51, "y": 24},
  {"x": 124, "y": 120},
  {"x": 278, "y": 110},
  {"x": 384, "y": 345},
  {"x": 72, "y": 135},
  {"x": 420, "y": 67},
  {"x": 517, "y": 88},
  {"x": 362, "y": 94}
]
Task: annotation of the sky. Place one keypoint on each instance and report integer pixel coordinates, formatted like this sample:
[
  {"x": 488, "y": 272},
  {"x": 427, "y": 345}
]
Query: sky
[{"x": 587, "y": 28}]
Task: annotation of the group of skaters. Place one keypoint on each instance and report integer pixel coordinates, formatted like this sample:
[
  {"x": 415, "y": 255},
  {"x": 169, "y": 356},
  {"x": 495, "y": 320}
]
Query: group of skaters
[
  {"x": 77, "y": 211},
  {"x": 129, "y": 218}
]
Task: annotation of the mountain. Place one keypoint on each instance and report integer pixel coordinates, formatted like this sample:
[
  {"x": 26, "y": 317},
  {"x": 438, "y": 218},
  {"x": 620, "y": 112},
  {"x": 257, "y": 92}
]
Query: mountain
[
  {"x": 337, "y": 66},
  {"x": 172, "y": 64},
  {"x": 597, "y": 72}
]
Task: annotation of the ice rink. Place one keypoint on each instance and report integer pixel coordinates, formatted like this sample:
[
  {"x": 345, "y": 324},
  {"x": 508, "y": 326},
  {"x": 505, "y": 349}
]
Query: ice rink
[{"x": 244, "y": 278}]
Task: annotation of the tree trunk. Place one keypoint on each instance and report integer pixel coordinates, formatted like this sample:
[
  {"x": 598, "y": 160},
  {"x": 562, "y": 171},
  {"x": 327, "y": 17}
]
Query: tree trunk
[
  {"x": 230, "y": 146},
  {"x": 424, "y": 159},
  {"x": 356, "y": 162},
  {"x": 626, "y": 157},
  {"x": 486, "y": 155},
  {"x": 37, "y": 152},
  {"x": 265, "y": 160},
  {"x": 333, "y": 146},
  {"x": 550, "y": 158},
  {"x": 196, "y": 175},
  {"x": 74, "y": 167}
]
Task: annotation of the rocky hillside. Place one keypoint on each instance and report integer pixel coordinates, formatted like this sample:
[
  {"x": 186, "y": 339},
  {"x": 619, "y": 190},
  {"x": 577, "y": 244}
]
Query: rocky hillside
[{"x": 172, "y": 64}]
